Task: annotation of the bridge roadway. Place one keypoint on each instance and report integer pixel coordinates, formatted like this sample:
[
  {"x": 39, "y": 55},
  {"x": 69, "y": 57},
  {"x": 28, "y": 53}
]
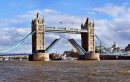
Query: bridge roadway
[{"x": 65, "y": 30}]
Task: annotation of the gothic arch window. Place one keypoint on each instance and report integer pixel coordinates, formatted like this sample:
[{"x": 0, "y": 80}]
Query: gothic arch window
[
  {"x": 91, "y": 31},
  {"x": 40, "y": 41},
  {"x": 40, "y": 28},
  {"x": 40, "y": 47}
]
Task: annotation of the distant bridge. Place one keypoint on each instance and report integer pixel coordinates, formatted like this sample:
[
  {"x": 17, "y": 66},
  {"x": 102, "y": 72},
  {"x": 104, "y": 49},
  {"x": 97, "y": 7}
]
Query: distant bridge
[{"x": 15, "y": 54}]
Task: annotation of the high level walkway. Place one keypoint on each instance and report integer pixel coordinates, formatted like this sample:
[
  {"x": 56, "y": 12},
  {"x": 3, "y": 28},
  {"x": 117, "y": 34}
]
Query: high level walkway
[{"x": 65, "y": 30}]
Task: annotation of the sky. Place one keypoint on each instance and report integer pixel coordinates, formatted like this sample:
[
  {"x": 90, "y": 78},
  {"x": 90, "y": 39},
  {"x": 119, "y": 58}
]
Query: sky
[{"x": 111, "y": 18}]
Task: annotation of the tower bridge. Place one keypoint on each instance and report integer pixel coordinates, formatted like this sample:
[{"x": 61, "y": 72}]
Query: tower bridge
[
  {"x": 38, "y": 39},
  {"x": 86, "y": 50}
]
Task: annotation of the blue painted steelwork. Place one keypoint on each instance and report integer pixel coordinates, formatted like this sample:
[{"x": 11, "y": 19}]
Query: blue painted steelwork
[
  {"x": 101, "y": 41},
  {"x": 111, "y": 53},
  {"x": 79, "y": 49},
  {"x": 104, "y": 45},
  {"x": 52, "y": 45},
  {"x": 17, "y": 44},
  {"x": 96, "y": 43}
]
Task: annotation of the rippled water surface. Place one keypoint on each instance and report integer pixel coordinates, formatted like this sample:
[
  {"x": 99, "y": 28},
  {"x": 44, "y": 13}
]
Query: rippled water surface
[{"x": 65, "y": 71}]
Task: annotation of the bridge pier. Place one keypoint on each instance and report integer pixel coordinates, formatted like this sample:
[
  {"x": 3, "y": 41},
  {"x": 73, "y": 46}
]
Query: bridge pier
[
  {"x": 90, "y": 56},
  {"x": 39, "y": 57}
]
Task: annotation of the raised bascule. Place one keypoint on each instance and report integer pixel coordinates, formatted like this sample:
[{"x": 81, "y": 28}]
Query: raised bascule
[{"x": 39, "y": 53}]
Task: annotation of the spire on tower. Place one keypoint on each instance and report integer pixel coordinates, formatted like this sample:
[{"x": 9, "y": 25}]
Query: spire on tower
[
  {"x": 37, "y": 15},
  {"x": 93, "y": 23},
  {"x": 82, "y": 26},
  {"x": 87, "y": 21},
  {"x": 32, "y": 20},
  {"x": 43, "y": 17}
]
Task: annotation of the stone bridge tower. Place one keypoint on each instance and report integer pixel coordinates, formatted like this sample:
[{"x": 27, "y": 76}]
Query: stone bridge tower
[
  {"x": 38, "y": 40},
  {"x": 88, "y": 39}
]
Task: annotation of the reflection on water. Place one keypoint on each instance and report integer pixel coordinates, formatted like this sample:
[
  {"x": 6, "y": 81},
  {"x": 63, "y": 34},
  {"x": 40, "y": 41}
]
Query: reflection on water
[{"x": 65, "y": 71}]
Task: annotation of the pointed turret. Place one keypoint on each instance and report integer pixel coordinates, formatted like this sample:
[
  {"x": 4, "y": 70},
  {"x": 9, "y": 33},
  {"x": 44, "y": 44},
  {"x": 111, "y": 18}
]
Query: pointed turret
[
  {"x": 32, "y": 21},
  {"x": 87, "y": 21},
  {"x": 82, "y": 27},
  {"x": 93, "y": 23},
  {"x": 37, "y": 15},
  {"x": 43, "y": 20}
]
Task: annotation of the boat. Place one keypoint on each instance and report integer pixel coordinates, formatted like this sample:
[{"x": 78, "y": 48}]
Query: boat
[
  {"x": 56, "y": 58},
  {"x": 5, "y": 59}
]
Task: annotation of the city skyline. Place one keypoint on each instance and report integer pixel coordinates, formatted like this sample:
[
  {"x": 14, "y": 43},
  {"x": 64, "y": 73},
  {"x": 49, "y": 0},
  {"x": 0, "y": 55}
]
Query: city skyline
[{"x": 111, "y": 20}]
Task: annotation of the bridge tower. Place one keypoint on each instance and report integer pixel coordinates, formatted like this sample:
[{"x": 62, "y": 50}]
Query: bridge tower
[
  {"x": 38, "y": 40},
  {"x": 88, "y": 40}
]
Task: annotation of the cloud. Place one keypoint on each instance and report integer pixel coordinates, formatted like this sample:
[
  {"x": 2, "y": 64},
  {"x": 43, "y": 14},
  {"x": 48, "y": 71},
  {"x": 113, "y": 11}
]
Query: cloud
[
  {"x": 116, "y": 29},
  {"x": 15, "y": 21},
  {"x": 52, "y": 36},
  {"x": 110, "y": 9},
  {"x": 108, "y": 30},
  {"x": 26, "y": 4},
  {"x": 53, "y": 18},
  {"x": 73, "y": 36},
  {"x": 10, "y": 22},
  {"x": 11, "y": 36}
]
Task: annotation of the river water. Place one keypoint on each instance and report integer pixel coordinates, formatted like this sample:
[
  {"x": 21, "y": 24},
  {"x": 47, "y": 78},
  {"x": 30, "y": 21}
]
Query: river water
[{"x": 65, "y": 71}]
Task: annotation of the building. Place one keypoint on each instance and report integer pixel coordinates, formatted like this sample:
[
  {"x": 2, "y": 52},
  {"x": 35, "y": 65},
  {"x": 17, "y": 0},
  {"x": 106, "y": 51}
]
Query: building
[
  {"x": 71, "y": 53},
  {"x": 127, "y": 48},
  {"x": 97, "y": 49},
  {"x": 54, "y": 56},
  {"x": 115, "y": 48}
]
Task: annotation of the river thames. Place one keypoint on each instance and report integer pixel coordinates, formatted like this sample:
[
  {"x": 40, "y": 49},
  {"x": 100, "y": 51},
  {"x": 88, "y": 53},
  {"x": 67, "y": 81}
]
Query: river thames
[{"x": 65, "y": 71}]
